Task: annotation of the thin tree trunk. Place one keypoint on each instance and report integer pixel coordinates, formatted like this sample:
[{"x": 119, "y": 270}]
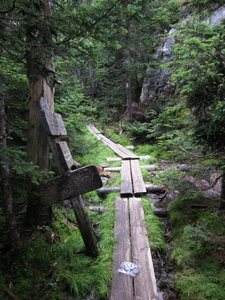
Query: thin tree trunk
[
  {"x": 5, "y": 188},
  {"x": 128, "y": 79},
  {"x": 41, "y": 75},
  {"x": 222, "y": 196}
]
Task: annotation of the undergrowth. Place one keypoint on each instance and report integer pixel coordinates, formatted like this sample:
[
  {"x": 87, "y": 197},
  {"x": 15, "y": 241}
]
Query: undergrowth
[
  {"x": 52, "y": 263},
  {"x": 199, "y": 251},
  {"x": 154, "y": 228}
]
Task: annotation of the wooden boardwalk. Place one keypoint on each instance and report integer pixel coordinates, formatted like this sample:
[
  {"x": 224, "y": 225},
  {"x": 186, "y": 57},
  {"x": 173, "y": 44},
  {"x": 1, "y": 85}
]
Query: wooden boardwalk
[{"x": 130, "y": 231}]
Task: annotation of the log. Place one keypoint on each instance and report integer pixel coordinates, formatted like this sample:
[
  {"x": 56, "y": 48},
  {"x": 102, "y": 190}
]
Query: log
[
  {"x": 150, "y": 188},
  {"x": 118, "y": 169},
  {"x": 106, "y": 190},
  {"x": 113, "y": 159},
  {"x": 98, "y": 208},
  {"x": 130, "y": 147}
]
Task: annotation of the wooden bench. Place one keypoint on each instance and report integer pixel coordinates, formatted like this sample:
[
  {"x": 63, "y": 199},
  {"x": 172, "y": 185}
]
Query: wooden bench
[{"x": 132, "y": 246}]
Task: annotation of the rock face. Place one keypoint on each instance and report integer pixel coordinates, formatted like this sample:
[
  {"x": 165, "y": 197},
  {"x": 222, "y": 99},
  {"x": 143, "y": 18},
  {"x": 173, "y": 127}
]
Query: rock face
[
  {"x": 157, "y": 85},
  {"x": 157, "y": 82},
  {"x": 217, "y": 17}
]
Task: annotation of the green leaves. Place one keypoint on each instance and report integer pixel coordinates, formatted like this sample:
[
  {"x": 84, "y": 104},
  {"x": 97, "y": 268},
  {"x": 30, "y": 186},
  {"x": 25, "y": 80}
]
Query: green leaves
[{"x": 198, "y": 72}]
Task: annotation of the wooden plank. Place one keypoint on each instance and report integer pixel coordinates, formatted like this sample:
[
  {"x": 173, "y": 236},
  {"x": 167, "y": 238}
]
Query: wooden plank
[
  {"x": 53, "y": 123},
  {"x": 126, "y": 151},
  {"x": 85, "y": 226},
  {"x": 70, "y": 185},
  {"x": 126, "y": 187},
  {"x": 94, "y": 129},
  {"x": 65, "y": 154},
  {"x": 121, "y": 152},
  {"x": 122, "y": 286},
  {"x": 115, "y": 148},
  {"x": 138, "y": 182},
  {"x": 145, "y": 283}
]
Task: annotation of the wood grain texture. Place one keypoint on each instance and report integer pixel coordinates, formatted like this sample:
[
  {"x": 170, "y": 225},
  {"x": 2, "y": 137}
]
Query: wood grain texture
[
  {"x": 65, "y": 154},
  {"x": 145, "y": 283},
  {"x": 127, "y": 152},
  {"x": 70, "y": 185},
  {"x": 53, "y": 123},
  {"x": 122, "y": 286},
  {"x": 126, "y": 188},
  {"x": 138, "y": 182}
]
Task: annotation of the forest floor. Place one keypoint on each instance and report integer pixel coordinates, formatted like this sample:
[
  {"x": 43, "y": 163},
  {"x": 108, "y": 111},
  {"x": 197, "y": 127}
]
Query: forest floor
[
  {"x": 188, "y": 251},
  {"x": 192, "y": 213}
]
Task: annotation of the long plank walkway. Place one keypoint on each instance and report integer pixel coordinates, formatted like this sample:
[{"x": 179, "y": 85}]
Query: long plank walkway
[{"x": 130, "y": 231}]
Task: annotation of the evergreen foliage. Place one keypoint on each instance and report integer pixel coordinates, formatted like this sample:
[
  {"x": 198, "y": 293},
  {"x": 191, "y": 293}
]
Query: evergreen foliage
[{"x": 97, "y": 46}]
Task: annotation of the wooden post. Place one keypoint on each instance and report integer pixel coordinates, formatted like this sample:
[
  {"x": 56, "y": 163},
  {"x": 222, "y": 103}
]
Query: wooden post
[
  {"x": 54, "y": 128},
  {"x": 85, "y": 226}
]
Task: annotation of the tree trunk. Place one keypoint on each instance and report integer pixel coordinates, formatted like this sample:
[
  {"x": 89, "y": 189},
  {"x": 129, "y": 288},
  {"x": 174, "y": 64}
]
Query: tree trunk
[
  {"x": 222, "y": 196},
  {"x": 5, "y": 188},
  {"x": 128, "y": 79},
  {"x": 41, "y": 75}
]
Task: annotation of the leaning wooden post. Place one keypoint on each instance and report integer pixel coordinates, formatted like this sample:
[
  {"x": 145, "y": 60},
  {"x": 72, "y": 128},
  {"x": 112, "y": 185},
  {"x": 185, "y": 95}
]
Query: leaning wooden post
[
  {"x": 85, "y": 226},
  {"x": 71, "y": 184}
]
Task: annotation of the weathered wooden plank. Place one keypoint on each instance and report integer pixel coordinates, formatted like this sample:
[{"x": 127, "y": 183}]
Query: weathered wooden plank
[
  {"x": 53, "y": 123},
  {"x": 121, "y": 152},
  {"x": 65, "y": 154},
  {"x": 122, "y": 287},
  {"x": 145, "y": 283},
  {"x": 92, "y": 128},
  {"x": 126, "y": 187},
  {"x": 138, "y": 182},
  {"x": 85, "y": 226},
  {"x": 70, "y": 185},
  {"x": 115, "y": 148},
  {"x": 126, "y": 151}
]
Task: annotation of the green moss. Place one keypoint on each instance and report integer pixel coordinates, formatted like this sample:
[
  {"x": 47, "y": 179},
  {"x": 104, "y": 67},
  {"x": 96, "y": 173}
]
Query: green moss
[
  {"x": 197, "y": 236},
  {"x": 154, "y": 228},
  {"x": 206, "y": 282}
]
